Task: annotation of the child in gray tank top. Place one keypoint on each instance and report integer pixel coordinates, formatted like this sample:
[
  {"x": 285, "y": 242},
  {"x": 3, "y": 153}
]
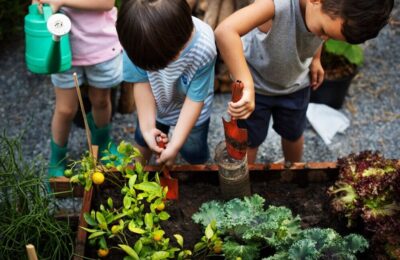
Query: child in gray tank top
[{"x": 274, "y": 47}]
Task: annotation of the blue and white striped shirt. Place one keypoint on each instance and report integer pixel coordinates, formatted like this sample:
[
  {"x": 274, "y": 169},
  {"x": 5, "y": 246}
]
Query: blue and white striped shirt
[{"x": 191, "y": 75}]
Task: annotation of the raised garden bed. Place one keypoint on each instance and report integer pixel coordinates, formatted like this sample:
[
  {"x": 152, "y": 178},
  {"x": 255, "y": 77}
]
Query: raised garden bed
[
  {"x": 128, "y": 214},
  {"x": 300, "y": 187}
]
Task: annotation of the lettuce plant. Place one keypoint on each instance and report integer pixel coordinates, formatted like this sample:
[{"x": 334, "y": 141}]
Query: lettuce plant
[{"x": 368, "y": 188}]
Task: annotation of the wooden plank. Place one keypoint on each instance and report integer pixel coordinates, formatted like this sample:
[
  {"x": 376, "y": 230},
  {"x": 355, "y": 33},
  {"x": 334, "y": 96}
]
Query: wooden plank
[
  {"x": 252, "y": 167},
  {"x": 62, "y": 188},
  {"x": 80, "y": 241}
]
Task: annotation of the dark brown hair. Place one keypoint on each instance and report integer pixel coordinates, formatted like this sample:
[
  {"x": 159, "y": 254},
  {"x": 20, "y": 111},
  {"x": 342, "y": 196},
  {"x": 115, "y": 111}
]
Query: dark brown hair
[
  {"x": 363, "y": 19},
  {"x": 153, "y": 32}
]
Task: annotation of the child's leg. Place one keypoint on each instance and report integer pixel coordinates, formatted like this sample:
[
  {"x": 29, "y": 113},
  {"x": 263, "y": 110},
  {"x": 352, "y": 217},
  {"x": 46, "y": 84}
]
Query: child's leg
[
  {"x": 293, "y": 150},
  {"x": 257, "y": 125},
  {"x": 195, "y": 149},
  {"x": 65, "y": 110},
  {"x": 101, "y": 105},
  {"x": 252, "y": 154},
  {"x": 290, "y": 121},
  {"x": 101, "y": 78}
]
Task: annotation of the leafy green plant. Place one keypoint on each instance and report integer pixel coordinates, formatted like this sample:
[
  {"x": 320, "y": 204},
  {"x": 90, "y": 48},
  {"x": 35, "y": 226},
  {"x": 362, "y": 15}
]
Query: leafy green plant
[
  {"x": 340, "y": 59},
  {"x": 317, "y": 243},
  {"x": 27, "y": 207},
  {"x": 244, "y": 227},
  {"x": 368, "y": 188},
  {"x": 353, "y": 53},
  {"x": 138, "y": 218}
]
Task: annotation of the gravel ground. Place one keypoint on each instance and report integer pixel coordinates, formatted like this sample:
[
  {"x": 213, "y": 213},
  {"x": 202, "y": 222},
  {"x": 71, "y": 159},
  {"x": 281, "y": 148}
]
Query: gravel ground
[{"x": 372, "y": 105}]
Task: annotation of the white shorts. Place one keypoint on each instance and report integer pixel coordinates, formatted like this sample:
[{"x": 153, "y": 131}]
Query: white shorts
[{"x": 106, "y": 74}]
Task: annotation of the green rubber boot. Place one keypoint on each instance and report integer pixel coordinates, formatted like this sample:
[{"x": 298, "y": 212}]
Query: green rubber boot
[
  {"x": 58, "y": 160},
  {"x": 101, "y": 137}
]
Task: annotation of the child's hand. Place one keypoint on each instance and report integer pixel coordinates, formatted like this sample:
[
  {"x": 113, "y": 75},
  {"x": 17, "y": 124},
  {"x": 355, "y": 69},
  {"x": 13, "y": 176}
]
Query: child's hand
[
  {"x": 167, "y": 156},
  {"x": 55, "y": 4},
  {"x": 150, "y": 138},
  {"x": 316, "y": 73},
  {"x": 245, "y": 106}
]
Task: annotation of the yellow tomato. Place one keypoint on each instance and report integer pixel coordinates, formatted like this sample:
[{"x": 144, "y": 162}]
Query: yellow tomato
[
  {"x": 217, "y": 249},
  {"x": 161, "y": 206},
  {"x": 103, "y": 252},
  {"x": 157, "y": 237},
  {"x": 98, "y": 178},
  {"x": 115, "y": 229}
]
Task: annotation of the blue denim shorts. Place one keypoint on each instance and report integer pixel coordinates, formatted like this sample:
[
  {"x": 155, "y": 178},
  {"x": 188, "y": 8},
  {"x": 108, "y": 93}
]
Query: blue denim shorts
[
  {"x": 106, "y": 74},
  {"x": 194, "y": 150},
  {"x": 288, "y": 113}
]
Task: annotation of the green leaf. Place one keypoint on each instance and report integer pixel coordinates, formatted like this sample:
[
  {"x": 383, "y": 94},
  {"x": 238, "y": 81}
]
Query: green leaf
[
  {"x": 138, "y": 246},
  {"x": 199, "y": 246},
  {"x": 148, "y": 220},
  {"x": 209, "y": 232},
  {"x": 100, "y": 218},
  {"x": 148, "y": 187},
  {"x": 129, "y": 251},
  {"x": 127, "y": 201},
  {"x": 103, "y": 243},
  {"x": 138, "y": 167},
  {"x": 179, "y": 239},
  {"x": 136, "y": 230},
  {"x": 132, "y": 181},
  {"x": 353, "y": 53},
  {"x": 110, "y": 203},
  {"x": 89, "y": 230},
  {"x": 91, "y": 221},
  {"x": 163, "y": 215},
  {"x": 160, "y": 255},
  {"x": 96, "y": 234}
]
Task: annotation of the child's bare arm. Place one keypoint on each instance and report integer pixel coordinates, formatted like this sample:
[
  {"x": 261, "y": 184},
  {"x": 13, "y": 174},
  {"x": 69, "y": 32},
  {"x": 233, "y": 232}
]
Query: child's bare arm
[
  {"x": 146, "y": 111},
  {"x": 228, "y": 35},
  {"x": 189, "y": 114},
  {"x": 316, "y": 70},
  {"x": 94, "y": 5}
]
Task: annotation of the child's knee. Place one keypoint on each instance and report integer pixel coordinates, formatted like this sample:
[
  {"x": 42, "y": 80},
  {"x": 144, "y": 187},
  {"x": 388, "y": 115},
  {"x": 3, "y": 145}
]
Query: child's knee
[{"x": 66, "y": 112}]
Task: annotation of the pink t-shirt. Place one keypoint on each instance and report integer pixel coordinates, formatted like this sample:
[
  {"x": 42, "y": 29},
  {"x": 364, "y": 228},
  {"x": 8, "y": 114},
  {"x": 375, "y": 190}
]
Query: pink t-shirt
[{"x": 93, "y": 36}]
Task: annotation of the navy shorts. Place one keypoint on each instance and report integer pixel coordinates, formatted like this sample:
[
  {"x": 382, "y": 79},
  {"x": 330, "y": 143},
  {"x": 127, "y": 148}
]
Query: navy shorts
[
  {"x": 288, "y": 113},
  {"x": 194, "y": 150}
]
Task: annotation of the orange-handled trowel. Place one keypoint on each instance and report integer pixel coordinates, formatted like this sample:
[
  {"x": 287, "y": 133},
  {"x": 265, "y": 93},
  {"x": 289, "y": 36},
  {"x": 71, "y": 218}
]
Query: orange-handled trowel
[
  {"x": 166, "y": 179},
  {"x": 235, "y": 137}
]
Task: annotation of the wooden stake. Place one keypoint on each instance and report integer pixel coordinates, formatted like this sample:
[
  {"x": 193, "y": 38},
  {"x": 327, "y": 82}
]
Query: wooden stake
[
  {"x": 88, "y": 136},
  {"x": 30, "y": 249}
]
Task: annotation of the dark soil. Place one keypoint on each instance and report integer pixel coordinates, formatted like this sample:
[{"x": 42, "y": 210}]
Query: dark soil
[{"x": 305, "y": 196}]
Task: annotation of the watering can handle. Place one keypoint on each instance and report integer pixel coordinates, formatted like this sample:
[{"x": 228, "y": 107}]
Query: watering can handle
[{"x": 47, "y": 12}]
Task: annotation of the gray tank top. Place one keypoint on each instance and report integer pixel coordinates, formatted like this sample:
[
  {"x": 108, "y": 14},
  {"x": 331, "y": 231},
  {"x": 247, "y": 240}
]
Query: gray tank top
[{"x": 279, "y": 60}]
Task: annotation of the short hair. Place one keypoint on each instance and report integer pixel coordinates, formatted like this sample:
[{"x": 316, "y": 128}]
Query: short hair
[
  {"x": 153, "y": 32},
  {"x": 363, "y": 19}
]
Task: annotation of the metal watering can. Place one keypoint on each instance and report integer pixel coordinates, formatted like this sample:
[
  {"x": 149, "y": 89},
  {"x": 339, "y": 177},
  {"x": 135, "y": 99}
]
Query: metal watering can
[{"x": 47, "y": 47}]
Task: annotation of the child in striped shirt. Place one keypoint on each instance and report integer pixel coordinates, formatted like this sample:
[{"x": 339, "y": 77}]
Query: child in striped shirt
[{"x": 169, "y": 56}]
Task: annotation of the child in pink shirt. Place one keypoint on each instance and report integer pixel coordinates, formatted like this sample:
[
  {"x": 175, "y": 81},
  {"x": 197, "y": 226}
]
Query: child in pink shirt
[{"x": 96, "y": 58}]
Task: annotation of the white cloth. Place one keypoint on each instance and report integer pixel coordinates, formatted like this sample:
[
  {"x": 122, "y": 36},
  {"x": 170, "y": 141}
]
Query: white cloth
[{"x": 326, "y": 121}]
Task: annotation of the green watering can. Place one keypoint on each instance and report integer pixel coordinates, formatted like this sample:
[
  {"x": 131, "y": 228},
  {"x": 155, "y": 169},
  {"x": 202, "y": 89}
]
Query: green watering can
[{"x": 47, "y": 47}]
